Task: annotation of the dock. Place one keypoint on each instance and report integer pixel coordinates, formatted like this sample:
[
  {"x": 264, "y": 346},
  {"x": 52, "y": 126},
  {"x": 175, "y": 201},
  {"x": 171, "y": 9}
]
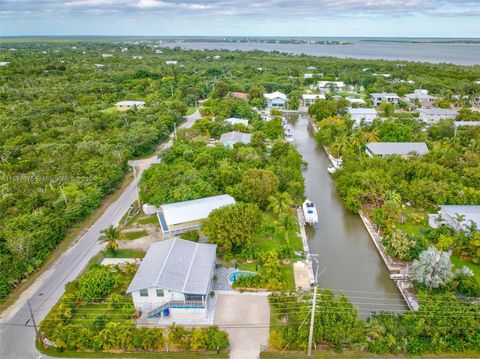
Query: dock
[{"x": 303, "y": 270}]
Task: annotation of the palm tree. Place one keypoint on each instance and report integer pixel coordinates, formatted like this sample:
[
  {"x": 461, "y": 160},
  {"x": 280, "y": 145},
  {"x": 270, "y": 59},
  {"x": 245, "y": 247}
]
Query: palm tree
[
  {"x": 280, "y": 203},
  {"x": 392, "y": 202},
  {"x": 287, "y": 222},
  {"x": 371, "y": 136},
  {"x": 110, "y": 236}
]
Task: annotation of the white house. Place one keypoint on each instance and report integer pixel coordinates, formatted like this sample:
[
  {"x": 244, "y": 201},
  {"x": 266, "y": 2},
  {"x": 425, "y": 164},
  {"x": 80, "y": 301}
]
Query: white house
[
  {"x": 308, "y": 76},
  {"x": 353, "y": 100},
  {"x": 171, "y": 62},
  {"x": 137, "y": 57},
  {"x": 327, "y": 86},
  {"x": 366, "y": 114},
  {"x": 435, "y": 115},
  {"x": 107, "y": 55},
  {"x": 230, "y": 138},
  {"x": 4, "y": 63},
  {"x": 275, "y": 99},
  {"x": 99, "y": 66},
  {"x": 379, "y": 97},
  {"x": 403, "y": 149},
  {"x": 180, "y": 217},
  {"x": 174, "y": 280},
  {"x": 310, "y": 98},
  {"x": 237, "y": 121},
  {"x": 127, "y": 105},
  {"x": 460, "y": 218},
  {"x": 422, "y": 96}
]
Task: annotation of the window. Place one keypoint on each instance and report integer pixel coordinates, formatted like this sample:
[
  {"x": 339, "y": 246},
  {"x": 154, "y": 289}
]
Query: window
[
  {"x": 143, "y": 292},
  {"x": 160, "y": 293}
]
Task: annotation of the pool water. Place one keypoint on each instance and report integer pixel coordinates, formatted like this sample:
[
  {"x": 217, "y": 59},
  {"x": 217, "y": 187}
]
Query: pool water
[{"x": 235, "y": 275}]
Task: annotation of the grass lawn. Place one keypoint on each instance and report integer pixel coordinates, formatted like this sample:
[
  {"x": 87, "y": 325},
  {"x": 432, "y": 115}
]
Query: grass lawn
[
  {"x": 359, "y": 354},
  {"x": 125, "y": 253},
  {"x": 134, "y": 234},
  {"x": 190, "y": 111},
  {"x": 458, "y": 263},
  {"x": 287, "y": 271},
  {"x": 268, "y": 241}
]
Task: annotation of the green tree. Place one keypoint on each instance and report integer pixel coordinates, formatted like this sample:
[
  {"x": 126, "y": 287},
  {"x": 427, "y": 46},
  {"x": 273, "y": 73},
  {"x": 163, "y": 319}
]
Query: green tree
[
  {"x": 234, "y": 227},
  {"x": 258, "y": 185},
  {"x": 94, "y": 287},
  {"x": 110, "y": 236},
  {"x": 280, "y": 203},
  {"x": 433, "y": 268}
]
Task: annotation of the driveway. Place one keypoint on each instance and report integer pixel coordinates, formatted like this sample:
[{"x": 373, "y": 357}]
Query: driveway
[{"x": 246, "y": 318}]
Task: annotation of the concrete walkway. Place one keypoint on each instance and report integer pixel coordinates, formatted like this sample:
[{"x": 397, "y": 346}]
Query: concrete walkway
[{"x": 246, "y": 318}]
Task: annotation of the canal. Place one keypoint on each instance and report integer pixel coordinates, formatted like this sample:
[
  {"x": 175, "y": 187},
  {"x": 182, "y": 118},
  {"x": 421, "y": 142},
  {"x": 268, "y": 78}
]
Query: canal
[{"x": 346, "y": 252}]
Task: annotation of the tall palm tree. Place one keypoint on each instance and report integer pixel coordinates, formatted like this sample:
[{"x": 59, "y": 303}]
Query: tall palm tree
[
  {"x": 287, "y": 222},
  {"x": 280, "y": 203},
  {"x": 110, "y": 236},
  {"x": 371, "y": 136}
]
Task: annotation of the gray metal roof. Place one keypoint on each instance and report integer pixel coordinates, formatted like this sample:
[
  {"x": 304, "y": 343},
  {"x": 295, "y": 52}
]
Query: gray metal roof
[
  {"x": 361, "y": 111},
  {"x": 438, "y": 111},
  {"x": 235, "y": 137},
  {"x": 397, "y": 148},
  {"x": 466, "y": 123},
  {"x": 471, "y": 213},
  {"x": 177, "y": 265}
]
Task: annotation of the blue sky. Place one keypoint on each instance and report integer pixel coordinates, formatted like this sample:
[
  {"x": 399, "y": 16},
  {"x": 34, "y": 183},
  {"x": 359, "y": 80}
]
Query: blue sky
[{"x": 409, "y": 18}]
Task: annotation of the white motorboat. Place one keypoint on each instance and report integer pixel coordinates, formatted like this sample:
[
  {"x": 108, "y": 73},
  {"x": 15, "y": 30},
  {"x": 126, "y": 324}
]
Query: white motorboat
[
  {"x": 288, "y": 137},
  {"x": 331, "y": 169},
  {"x": 310, "y": 212}
]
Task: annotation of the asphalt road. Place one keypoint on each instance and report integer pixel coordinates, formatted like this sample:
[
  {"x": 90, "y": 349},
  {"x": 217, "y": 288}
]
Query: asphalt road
[{"x": 16, "y": 330}]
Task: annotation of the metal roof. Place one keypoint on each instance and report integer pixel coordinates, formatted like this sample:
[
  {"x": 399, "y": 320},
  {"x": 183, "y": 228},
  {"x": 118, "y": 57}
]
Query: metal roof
[
  {"x": 274, "y": 95},
  {"x": 466, "y": 123},
  {"x": 177, "y": 265},
  {"x": 130, "y": 103},
  {"x": 235, "y": 137},
  {"x": 397, "y": 148},
  {"x": 236, "y": 121},
  {"x": 470, "y": 213},
  {"x": 194, "y": 210},
  {"x": 438, "y": 111},
  {"x": 361, "y": 111}
]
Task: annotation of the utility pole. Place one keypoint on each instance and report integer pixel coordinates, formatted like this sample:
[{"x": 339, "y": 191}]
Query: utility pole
[
  {"x": 136, "y": 185},
  {"x": 312, "y": 320},
  {"x": 33, "y": 321}
]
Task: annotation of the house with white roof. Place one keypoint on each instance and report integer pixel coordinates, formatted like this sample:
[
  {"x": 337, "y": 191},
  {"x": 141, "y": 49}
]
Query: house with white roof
[
  {"x": 423, "y": 97},
  {"x": 434, "y": 115},
  {"x": 353, "y": 100},
  {"x": 237, "y": 121},
  {"x": 171, "y": 62},
  {"x": 180, "y": 217},
  {"x": 308, "y": 76},
  {"x": 4, "y": 63},
  {"x": 174, "y": 280},
  {"x": 230, "y": 138},
  {"x": 458, "y": 217},
  {"x": 99, "y": 66},
  {"x": 275, "y": 99},
  {"x": 403, "y": 149},
  {"x": 359, "y": 114},
  {"x": 128, "y": 105},
  {"x": 379, "y": 97},
  {"x": 327, "y": 86},
  {"x": 107, "y": 55},
  {"x": 310, "y": 98}
]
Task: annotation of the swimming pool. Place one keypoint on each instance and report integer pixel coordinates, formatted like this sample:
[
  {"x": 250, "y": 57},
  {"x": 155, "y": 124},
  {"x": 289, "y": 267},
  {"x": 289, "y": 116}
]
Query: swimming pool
[{"x": 235, "y": 275}]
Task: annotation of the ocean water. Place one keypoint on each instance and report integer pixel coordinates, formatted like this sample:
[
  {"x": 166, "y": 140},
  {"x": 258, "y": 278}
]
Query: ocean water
[{"x": 460, "y": 53}]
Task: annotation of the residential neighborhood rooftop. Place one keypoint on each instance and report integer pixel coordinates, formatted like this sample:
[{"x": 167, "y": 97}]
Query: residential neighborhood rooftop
[
  {"x": 235, "y": 137},
  {"x": 397, "y": 148},
  {"x": 177, "y": 265},
  {"x": 469, "y": 213},
  {"x": 275, "y": 95},
  {"x": 361, "y": 111}
]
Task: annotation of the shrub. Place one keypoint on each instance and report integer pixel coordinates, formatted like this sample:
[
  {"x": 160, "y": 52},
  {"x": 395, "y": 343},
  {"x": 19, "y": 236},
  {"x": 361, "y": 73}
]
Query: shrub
[
  {"x": 95, "y": 285},
  {"x": 190, "y": 236}
]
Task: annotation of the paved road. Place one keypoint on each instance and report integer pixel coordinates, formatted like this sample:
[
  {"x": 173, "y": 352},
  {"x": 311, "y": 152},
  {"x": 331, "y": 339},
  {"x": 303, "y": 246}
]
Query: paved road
[{"x": 16, "y": 333}]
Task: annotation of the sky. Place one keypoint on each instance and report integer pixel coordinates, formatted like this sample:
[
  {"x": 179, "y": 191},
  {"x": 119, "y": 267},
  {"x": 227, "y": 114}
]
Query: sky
[{"x": 383, "y": 18}]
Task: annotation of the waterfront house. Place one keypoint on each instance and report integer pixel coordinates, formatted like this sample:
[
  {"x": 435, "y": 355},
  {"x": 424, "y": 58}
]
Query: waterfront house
[
  {"x": 174, "y": 280},
  {"x": 128, "y": 105},
  {"x": 309, "y": 99},
  {"x": 434, "y": 115},
  {"x": 460, "y": 218},
  {"x": 422, "y": 96},
  {"x": 403, "y": 149},
  {"x": 359, "y": 114},
  {"x": 230, "y": 138},
  {"x": 379, "y": 97},
  {"x": 275, "y": 99},
  {"x": 179, "y": 217},
  {"x": 237, "y": 121}
]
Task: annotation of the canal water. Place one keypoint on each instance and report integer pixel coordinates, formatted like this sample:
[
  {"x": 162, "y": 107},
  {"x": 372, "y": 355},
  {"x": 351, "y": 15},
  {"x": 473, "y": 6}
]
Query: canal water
[{"x": 345, "y": 251}]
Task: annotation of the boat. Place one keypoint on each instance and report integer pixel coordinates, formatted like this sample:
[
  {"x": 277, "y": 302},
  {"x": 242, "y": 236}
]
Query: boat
[
  {"x": 310, "y": 212},
  {"x": 331, "y": 169},
  {"x": 288, "y": 137}
]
